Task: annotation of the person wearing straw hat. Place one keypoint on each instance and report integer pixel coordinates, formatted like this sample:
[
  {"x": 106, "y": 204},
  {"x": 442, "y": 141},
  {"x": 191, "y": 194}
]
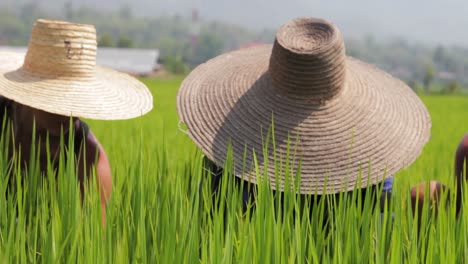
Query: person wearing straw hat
[
  {"x": 338, "y": 122},
  {"x": 58, "y": 82}
]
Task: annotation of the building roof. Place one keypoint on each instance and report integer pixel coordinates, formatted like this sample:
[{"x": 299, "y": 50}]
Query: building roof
[{"x": 133, "y": 61}]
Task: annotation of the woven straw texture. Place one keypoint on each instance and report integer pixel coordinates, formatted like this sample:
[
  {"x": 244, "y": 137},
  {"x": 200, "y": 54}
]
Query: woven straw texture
[
  {"x": 348, "y": 123},
  {"x": 59, "y": 75}
]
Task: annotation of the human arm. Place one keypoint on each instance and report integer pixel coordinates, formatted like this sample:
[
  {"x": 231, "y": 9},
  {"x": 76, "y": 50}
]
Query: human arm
[
  {"x": 103, "y": 171},
  {"x": 104, "y": 180},
  {"x": 426, "y": 192},
  {"x": 461, "y": 157}
]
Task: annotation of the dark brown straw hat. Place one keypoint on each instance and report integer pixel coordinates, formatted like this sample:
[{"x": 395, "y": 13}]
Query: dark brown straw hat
[{"x": 348, "y": 123}]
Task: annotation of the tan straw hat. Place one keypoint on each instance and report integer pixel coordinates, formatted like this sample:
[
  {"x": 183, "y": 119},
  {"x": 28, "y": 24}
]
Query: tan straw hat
[
  {"x": 342, "y": 117},
  {"x": 59, "y": 75}
]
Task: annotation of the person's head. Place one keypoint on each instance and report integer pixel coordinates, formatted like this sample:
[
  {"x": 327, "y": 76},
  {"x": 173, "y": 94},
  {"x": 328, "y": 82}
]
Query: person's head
[
  {"x": 45, "y": 122},
  {"x": 50, "y": 131}
]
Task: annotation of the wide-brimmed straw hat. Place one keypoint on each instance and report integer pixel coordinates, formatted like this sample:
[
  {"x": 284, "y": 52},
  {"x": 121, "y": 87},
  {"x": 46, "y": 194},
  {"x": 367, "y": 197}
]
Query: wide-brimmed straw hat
[
  {"x": 59, "y": 75},
  {"x": 342, "y": 123}
]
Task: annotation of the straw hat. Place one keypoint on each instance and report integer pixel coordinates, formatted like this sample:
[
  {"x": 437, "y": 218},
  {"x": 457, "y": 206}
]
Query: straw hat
[
  {"x": 59, "y": 75},
  {"x": 342, "y": 117}
]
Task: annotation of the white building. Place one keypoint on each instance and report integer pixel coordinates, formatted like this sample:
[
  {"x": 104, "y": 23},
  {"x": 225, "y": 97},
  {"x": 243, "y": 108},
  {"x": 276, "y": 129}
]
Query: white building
[{"x": 133, "y": 61}]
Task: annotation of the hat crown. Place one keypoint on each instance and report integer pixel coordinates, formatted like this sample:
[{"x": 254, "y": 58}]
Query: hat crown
[
  {"x": 59, "y": 49},
  {"x": 308, "y": 60}
]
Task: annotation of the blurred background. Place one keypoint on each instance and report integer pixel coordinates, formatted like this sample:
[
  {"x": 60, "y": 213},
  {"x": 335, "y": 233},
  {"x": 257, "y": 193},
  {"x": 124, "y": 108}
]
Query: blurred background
[{"x": 424, "y": 43}]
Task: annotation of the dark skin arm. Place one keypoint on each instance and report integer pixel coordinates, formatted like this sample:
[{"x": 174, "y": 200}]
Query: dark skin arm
[
  {"x": 103, "y": 170},
  {"x": 426, "y": 192},
  {"x": 461, "y": 158},
  {"x": 418, "y": 192}
]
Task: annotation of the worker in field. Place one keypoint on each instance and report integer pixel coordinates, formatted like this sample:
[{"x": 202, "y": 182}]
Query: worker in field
[
  {"x": 58, "y": 82},
  {"x": 432, "y": 192},
  {"x": 303, "y": 106}
]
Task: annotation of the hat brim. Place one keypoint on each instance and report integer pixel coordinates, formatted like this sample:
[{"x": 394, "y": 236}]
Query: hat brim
[
  {"x": 108, "y": 95},
  {"x": 374, "y": 127}
]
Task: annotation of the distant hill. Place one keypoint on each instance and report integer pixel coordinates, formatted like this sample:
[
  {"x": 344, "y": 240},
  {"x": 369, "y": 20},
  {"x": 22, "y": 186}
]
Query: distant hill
[
  {"x": 444, "y": 67},
  {"x": 429, "y": 21}
]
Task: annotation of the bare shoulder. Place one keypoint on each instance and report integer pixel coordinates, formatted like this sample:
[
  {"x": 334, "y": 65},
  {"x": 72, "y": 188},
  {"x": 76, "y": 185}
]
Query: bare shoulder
[
  {"x": 91, "y": 139},
  {"x": 98, "y": 146},
  {"x": 464, "y": 140},
  {"x": 93, "y": 144},
  {"x": 103, "y": 170},
  {"x": 94, "y": 150},
  {"x": 463, "y": 145}
]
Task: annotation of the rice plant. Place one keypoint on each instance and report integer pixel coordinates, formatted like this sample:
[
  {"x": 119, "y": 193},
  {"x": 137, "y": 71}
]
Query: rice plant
[{"x": 162, "y": 210}]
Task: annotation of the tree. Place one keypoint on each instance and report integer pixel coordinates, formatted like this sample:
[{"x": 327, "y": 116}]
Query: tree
[
  {"x": 428, "y": 77},
  {"x": 29, "y": 12},
  {"x": 13, "y": 31},
  {"x": 451, "y": 87},
  {"x": 412, "y": 84},
  {"x": 208, "y": 46},
  {"x": 175, "y": 65},
  {"x": 124, "y": 42},
  {"x": 440, "y": 55},
  {"x": 171, "y": 47},
  {"x": 106, "y": 40}
]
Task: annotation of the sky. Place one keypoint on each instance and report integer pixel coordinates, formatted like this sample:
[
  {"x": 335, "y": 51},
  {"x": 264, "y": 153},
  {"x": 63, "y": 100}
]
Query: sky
[{"x": 428, "y": 21}]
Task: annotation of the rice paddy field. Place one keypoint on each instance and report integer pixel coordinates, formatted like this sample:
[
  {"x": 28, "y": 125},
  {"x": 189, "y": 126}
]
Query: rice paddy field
[{"x": 159, "y": 212}]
